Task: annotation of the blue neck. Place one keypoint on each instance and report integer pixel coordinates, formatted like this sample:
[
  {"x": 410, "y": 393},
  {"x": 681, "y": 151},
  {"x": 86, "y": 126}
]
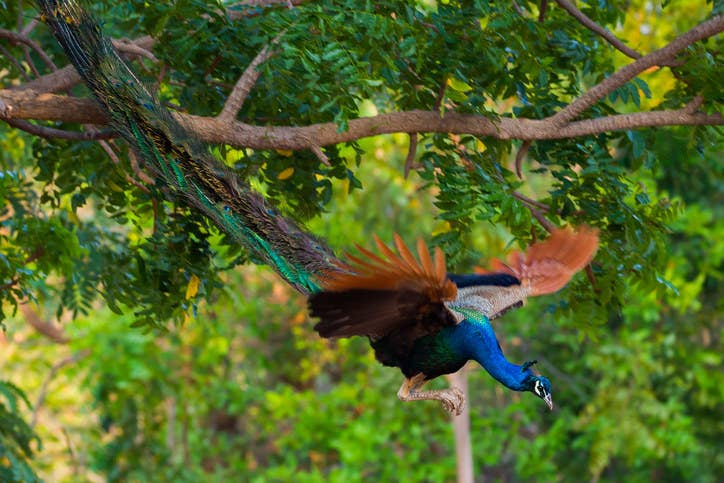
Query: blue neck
[{"x": 477, "y": 340}]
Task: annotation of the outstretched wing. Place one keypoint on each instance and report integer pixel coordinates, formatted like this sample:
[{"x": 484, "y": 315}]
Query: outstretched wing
[
  {"x": 379, "y": 295},
  {"x": 548, "y": 266},
  {"x": 544, "y": 268}
]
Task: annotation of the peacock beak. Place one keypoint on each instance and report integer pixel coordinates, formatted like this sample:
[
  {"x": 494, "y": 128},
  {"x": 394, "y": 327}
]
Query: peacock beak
[{"x": 549, "y": 401}]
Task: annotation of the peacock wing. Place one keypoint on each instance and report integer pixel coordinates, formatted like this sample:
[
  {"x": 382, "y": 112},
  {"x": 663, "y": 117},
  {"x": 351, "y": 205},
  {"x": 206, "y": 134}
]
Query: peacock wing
[
  {"x": 377, "y": 295},
  {"x": 548, "y": 266}
]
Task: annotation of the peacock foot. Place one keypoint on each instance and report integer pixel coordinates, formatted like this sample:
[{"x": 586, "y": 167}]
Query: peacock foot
[{"x": 452, "y": 400}]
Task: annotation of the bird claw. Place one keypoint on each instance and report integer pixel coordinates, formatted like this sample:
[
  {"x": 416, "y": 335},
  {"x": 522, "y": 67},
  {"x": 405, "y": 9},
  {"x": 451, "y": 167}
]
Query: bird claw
[{"x": 453, "y": 401}]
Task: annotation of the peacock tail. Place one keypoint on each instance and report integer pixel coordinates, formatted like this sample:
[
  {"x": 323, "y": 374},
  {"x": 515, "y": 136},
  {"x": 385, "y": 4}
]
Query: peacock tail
[{"x": 181, "y": 161}]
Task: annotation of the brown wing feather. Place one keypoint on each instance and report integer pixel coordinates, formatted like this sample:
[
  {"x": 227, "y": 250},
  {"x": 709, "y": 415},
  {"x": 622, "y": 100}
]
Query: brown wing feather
[
  {"x": 547, "y": 266},
  {"x": 396, "y": 271},
  {"x": 379, "y": 296}
]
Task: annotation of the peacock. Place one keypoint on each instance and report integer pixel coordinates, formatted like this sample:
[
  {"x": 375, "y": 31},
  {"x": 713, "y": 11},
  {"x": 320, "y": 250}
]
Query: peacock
[
  {"x": 429, "y": 322},
  {"x": 417, "y": 316}
]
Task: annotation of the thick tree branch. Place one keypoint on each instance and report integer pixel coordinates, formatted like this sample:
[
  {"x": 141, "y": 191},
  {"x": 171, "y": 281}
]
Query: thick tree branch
[
  {"x": 25, "y": 104},
  {"x": 702, "y": 31},
  {"x": 594, "y": 27},
  {"x": 22, "y": 103}
]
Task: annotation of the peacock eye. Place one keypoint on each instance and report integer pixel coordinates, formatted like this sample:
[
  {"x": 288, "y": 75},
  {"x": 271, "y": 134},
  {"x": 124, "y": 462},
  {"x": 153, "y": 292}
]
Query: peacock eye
[{"x": 538, "y": 389}]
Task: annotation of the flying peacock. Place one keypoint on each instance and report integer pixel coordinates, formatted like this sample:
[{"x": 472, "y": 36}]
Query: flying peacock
[
  {"x": 429, "y": 322},
  {"x": 417, "y": 316}
]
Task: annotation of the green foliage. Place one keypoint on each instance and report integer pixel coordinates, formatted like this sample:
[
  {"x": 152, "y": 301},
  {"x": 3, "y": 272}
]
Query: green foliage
[
  {"x": 244, "y": 390},
  {"x": 16, "y": 437}
]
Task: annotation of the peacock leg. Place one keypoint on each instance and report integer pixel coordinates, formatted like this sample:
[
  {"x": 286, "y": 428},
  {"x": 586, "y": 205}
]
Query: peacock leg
[{"x": 452, "y": 399}]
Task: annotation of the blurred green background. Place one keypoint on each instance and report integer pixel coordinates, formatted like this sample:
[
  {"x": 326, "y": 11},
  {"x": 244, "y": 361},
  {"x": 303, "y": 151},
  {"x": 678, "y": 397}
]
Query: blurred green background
[{"x": 168, "y": 358}]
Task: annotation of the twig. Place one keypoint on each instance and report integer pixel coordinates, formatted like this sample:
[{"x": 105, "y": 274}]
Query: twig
[
  {"x": 72, "y": 451},
  {"x": 53, "y": 372},
  {"x": 542, "y": 10},
  {"x": 594, "y": 27},
  {"x": 29, "y": 60},
  {"x": 19, "y": 38},
  {"x": 704, "y": 30},
  {"x": 531, "y": 202},
  {"x": 243, "y": 86},
  {"x": 45, "y": 328},
  {"x": 20, "y": 16},
  {"x": 29, "y": 27},
  {"x": 545, "y": 223},
  {"x": 519, "y": 158},
  {"x": 66, "y": 77},
  {"x": 134, "y": 48},
  {"x": 116, "y": 160},
  {"x": 591, "y": 278},
  {"x": 440, "y": 96},
  {"x": 411, "y": 152},
  {"x": 320, "y": 154},
  {"x": 135, "y": 166},
  {"x": 517, "y": 9},
  {"x": 51, "y": 132},
  {"x": 5, "y": 53}
]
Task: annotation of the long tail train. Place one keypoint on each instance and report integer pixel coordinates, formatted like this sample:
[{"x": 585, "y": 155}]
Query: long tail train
[{"x": 178, "y": 159}]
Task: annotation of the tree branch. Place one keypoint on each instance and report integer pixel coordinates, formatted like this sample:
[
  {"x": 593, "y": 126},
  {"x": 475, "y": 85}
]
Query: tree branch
[
  {"x": 21, "y": 39},
  {"x": 320, "y": 155},
  {"x": 53, "y": 133},
  {"x": 136, "y": 48},
  {"x": 6, "y": 53},
  {"x": 594, "y": 27},
  {"x": 25, "y": 104},
  {"x": 542, "y": 10},
  {"x": 520, "y": 156},
  {"x": 51, "y": 331},
  {"x": 243, "y": 86},
  {"x": 704, "y": 30},
  {"x": 65, "y": 78},
  {"x": 531, "y": 201},
  {"x": 411, "y": 152},
  {"x": 51, "y": 375},
  {"x": 544, "y": 222}
]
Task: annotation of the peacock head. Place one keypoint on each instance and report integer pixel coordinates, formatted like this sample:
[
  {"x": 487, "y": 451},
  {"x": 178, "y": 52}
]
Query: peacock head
[{"x": 538, "y": 385}]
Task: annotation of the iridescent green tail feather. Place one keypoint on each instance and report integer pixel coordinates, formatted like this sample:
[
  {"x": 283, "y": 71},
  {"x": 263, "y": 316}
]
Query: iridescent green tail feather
[{"x": 178, "y": 159}]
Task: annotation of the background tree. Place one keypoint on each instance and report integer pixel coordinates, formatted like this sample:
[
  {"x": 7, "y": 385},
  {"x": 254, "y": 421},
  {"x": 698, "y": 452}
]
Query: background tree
[{"x": 500, "y": 119}]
